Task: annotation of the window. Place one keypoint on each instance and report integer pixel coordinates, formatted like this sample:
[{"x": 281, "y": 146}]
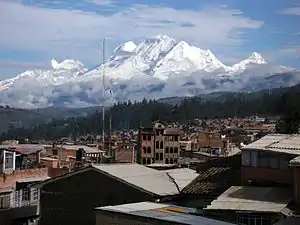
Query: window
[
  {"x": 54, "y": 151},
  {"x": 175, "y": 150},
  {"x": 144, "y": 137},
  {"x": 167, "y": 161},
  {"x": 254, "y": 157},
  {"x": 25, "y": 194},
  {"x": 264, "y": 160},
  {"x": 156, "y": 156},
  {"x": 176, "y": 138},
  {"x": 252, "y": 220},
  {"x": 157, "y": 133},
  {"x": 35, "y": 193},
  {"x": 144, "y": 161},
  {"x": 148, "y": 161},
  {"x": 274, "y": 162},
  {"x": 171, "y": 161},
  {"x": 175, "y": 161},
  {"x": 246, "y": 158},
  {"x": 161, "y": 156},
  {"x": 149, "y": 150},
  {"x": 9, "y": 158},
  {"x": 167, "y": 150},
  {"x": 145, "y": 150},
  {"x": 149, "y": 137},
  {"x": 161, "y": 145},
  {"x": 4, "y": 201},
  {"x": 171, "y": 150},
  {"x": 157, "y": 144}
]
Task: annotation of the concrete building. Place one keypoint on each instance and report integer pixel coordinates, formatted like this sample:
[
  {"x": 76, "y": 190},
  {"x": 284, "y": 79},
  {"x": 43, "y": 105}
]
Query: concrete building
[
  {"x": 270, "y": 179},
  {"x": 159, "y": 144}
]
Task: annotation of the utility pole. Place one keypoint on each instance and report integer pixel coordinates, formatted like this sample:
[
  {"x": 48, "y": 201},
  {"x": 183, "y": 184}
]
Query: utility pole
[
  {"x": 109, "y": 150},
  {"x": 103, "y": 93}
]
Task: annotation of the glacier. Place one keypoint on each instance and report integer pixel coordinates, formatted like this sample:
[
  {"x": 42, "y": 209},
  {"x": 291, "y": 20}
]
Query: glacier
[{"x": 156, "y": 67}]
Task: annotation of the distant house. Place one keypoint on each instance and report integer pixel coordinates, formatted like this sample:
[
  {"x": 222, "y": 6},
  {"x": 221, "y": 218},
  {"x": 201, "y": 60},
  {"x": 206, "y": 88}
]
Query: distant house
[{"x": 71, "y": 198}]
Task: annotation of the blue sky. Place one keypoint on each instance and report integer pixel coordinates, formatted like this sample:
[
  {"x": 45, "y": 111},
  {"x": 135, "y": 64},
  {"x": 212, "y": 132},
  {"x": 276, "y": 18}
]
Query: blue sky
[{"x": 35, "y": 31}]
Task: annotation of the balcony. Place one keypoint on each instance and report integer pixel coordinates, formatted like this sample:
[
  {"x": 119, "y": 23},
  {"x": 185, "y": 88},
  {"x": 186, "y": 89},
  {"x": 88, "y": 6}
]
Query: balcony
[{"x": 20, "y": 205}]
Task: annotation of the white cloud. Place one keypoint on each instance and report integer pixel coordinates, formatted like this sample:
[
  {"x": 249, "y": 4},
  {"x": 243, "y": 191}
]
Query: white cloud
[
  {"x": 291, "y": 51},
  {"x": 102, "y": 2},
  {"x": 77, "y": 34},
  {"x": 293, "y": 11}
]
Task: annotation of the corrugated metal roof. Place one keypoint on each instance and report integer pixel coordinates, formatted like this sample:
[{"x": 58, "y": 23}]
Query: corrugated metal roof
[
  {"x": 182, "y": 176},
  {"x": 165, "y": 212},
  {"x": 295, "y": 161},
  {"x": 257, "y": 199},
  {"x": 154, "y": 181},
  {"x": 284, "y": 143}
]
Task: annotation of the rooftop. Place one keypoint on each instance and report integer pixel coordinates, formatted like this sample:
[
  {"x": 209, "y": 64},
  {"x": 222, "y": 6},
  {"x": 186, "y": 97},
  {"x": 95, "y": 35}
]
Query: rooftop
[
  {"x": 164, "y": 212},
  {"x": 86, "y": 148},
  {"x": 283, "y": 143},
  {"x": 25, "y": 148},
  {"x": 255, "y": 199},
  {"x": 154, "y": 181}
]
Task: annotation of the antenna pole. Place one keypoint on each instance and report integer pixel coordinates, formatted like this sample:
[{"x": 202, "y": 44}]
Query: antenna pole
[{"x": 103, "y": 92}]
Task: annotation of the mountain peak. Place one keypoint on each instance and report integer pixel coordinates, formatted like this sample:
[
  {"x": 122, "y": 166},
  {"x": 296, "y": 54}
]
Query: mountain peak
[
  {"x": 68, "y": 64},
  {"x": 128, "y": 46},
  {"x": 163, "y": 37},
  {"x": 257, "y": 58}
]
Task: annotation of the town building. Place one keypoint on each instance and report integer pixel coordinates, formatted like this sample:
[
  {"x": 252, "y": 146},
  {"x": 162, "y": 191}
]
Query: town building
[
  {"x": 71, "y": 198},
  {"x": 159, "y": 144},
  {"x": 269, "y": 189},
  {"x": 20, "y": 166}
]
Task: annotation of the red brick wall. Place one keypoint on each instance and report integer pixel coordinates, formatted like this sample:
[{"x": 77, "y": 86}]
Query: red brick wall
[
  {"x": 263, "y": 175},
  {"x": 9, "y": 180},
  {"x": 54, "y": 172}
]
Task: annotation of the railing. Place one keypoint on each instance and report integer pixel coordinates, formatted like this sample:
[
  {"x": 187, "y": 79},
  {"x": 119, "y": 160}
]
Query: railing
[{"x": 20, "y": 198}]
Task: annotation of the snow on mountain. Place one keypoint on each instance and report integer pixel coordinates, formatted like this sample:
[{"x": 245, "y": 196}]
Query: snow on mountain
[
  {"x": 68, "y": 64},
  {"x": 57, "y": 75},
  {"x": 184, "y": 57},
  {"x": 128, "y": 46},
  {"x": 158, "y": 66},
  {"x": 254, "y": 59}
]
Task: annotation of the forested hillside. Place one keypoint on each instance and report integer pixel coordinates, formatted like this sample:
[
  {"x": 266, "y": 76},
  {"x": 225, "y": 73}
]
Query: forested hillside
[
  {"x": 284, "y": 102},
  {"x": 16, "y": 118}
]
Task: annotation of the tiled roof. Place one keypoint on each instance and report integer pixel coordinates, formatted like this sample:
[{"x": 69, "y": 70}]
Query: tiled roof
[{"x": 207, "y": 181}]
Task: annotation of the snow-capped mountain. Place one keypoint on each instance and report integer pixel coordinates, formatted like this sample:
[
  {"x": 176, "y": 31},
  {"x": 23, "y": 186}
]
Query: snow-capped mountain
[
  {"x": 156, "y": 67},
  {"x": 58, "y": 74}
]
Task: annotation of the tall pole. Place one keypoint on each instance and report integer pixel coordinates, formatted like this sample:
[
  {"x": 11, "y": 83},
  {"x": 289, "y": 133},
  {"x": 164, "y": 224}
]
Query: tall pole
[
  {"x": 109, "y": 150},
  {"x": 103, "y": 92}
]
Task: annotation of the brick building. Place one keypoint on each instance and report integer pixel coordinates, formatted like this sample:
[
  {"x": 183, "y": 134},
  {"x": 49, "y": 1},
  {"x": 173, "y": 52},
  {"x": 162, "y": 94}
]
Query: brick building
[
  {"x": 159, "y": 144},
  {"x": 125, "y": 152}
]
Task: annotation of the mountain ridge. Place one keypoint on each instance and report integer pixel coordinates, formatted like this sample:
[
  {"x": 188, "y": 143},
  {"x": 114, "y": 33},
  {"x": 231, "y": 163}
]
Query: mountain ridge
[{"x": 156, "y": 67}]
